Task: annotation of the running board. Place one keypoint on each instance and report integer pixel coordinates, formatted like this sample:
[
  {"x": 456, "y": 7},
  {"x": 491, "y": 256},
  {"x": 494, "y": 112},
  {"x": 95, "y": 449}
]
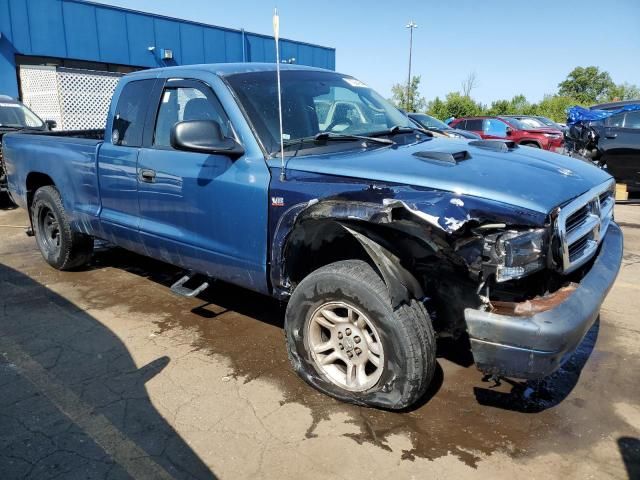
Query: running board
[{"x": 179, "y": 289}]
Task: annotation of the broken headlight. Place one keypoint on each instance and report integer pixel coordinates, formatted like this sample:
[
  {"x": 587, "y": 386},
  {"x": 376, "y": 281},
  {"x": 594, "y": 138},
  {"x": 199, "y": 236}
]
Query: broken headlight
[{"x": 517, "y": 254}]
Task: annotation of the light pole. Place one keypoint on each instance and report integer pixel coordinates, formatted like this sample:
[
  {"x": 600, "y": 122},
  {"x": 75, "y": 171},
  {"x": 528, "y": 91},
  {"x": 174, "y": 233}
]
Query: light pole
[{"x": 411, "y": 25}]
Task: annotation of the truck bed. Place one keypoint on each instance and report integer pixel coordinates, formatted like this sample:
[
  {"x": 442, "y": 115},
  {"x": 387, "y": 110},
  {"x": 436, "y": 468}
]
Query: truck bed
[{"x": 68, "y": 158}]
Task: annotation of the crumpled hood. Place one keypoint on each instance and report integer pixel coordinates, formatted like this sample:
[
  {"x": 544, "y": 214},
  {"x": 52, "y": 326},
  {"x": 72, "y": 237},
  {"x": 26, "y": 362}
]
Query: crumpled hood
[{"x": 525, "y": 177}]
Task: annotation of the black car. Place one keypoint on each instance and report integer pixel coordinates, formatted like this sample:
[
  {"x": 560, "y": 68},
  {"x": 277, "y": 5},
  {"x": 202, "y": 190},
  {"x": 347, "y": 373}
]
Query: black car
[
  {"x": 613, "y": 142},
  {"x": 434, "y": 125},
  {"x": 14, "y": 116}
]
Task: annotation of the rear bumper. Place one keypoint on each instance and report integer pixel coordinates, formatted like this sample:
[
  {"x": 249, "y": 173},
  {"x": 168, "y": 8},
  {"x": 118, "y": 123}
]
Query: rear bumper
[{"x": 532, "y": 347}]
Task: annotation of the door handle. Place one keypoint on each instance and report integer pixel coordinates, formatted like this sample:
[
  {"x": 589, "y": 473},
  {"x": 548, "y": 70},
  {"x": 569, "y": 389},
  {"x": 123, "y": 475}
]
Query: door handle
[{"x": 147, "y": 175}]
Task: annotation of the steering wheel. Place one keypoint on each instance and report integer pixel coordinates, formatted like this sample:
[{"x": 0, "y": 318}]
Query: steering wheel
[{"x": 335, "y": 123}]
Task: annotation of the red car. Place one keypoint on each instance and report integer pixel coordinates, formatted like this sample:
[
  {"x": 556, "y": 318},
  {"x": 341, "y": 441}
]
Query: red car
[{"x": 512, "y": 129}]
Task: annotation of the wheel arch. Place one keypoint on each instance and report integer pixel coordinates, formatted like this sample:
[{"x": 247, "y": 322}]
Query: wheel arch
[
  {"x": 312, "y": 241},
  {"x": 34, "y": 181}
]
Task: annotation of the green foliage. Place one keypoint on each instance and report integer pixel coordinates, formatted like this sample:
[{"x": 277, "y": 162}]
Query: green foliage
[
  {"x": 624, "y": 91},
  {"x": 587, "y": 85},
  {"x": 554, "y": 107},
  {"x": 413, "y": 102},
  {"x": 583, "y": 86},
  {"x": 454, "y": 105}
]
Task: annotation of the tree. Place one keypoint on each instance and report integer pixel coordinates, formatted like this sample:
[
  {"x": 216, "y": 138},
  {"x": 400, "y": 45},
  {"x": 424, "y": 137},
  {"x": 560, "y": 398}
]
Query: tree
[
  {"x": 518, "y": 105},
  {"x": 469, "y": 84},
  {"x": 624, "y": 91},
  {"x": 587, "y": 85},
  {"x": 414, "y": 102},
  {"x": 454, "y": 105},
  {"x": 555, "y": 107}
]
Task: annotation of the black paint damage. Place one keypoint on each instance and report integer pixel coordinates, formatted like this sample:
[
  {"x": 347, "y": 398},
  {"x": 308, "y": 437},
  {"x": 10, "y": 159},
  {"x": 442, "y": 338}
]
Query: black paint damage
[{"x": 426, "y": 244}]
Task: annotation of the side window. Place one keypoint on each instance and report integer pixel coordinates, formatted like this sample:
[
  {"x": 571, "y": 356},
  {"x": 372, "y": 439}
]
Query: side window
[
  {"x": 180, "y": 104},
  {"x": 128, "y": 121},
  {"x": 632, "y": 119},
  {"x": 474, "y": 124},
  {"x": 461, "y": 125},
  {"x": 615, "y": 120},
  {"x": 495, "y": 127}
]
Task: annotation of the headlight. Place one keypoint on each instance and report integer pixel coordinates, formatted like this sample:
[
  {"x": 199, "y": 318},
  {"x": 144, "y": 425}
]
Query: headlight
[
  {"x": 552, "y": 135},
  {"x": 519, "y": 253}
]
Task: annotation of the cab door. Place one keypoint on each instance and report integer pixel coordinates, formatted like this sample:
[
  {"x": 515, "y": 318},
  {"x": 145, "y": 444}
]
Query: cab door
[
  {"x": 204, "y": 212},
  {"x": 620, "y": 146},
  {"x": 117, "y": 165}
]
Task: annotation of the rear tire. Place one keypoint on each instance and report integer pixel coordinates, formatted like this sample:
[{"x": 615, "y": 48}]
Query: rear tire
[
  {"x": 60, "y": 246},
  {"x": 339, "y": 321}
]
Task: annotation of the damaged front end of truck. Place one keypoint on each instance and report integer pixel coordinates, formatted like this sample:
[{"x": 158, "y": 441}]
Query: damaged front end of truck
[{"x": 473, "y": 262}]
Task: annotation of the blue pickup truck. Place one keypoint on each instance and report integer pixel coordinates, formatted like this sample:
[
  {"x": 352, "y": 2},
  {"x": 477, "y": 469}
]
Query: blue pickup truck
[{"x": 379, "y": 237}]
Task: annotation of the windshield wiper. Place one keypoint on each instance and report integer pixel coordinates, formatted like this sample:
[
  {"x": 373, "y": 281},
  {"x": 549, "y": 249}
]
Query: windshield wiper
[{"x": 324, "y": 136}]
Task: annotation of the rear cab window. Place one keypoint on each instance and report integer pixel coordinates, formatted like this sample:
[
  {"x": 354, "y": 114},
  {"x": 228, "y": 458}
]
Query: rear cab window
[{"x": 130, "y": 114}]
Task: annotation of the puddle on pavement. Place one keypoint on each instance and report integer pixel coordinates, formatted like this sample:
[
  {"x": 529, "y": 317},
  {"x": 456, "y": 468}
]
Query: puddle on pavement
[{"x": 462, "y": 415}]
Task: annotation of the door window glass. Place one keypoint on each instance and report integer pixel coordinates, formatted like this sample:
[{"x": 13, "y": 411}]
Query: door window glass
[
  {"x": 180, "y": 104},
  {"x": 615, "y": 120},
  {"x": 495, "y": 127},
  {"x": 632, "y": 119},
  {"x": 474, "y": 124},
  {"x": 128, "y": 121}
]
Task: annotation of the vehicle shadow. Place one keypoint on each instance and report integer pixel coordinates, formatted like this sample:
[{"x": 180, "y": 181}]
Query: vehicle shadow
[
  {"x": 630, "y": 451},
  {"x": 6, "y": 203},
  {"x": 537, "y": 396},
  {"x": 73, "y": 403}
]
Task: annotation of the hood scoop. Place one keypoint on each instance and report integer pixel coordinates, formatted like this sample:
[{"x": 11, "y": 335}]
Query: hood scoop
[
  {"x": 495, "y": 145},
  {"x": 452, "y": 158}
]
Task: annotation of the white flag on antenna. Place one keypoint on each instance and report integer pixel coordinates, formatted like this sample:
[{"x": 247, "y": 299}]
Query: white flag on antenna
[{"x": 276, "y": 24}]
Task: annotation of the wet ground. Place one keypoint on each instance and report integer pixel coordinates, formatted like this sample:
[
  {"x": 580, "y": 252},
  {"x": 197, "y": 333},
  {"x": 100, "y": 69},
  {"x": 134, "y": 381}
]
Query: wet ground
[{"x": 105, "y": 373}]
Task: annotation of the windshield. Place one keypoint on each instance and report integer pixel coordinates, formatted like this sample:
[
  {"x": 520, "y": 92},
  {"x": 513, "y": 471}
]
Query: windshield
[
  {"x": 13, "y": 114},
  {"x": 312, "y": 102},
  {"x": 547, "y": 122},
  {"x": 428, "y": 121},
  {"x": 520, "y": 124}
]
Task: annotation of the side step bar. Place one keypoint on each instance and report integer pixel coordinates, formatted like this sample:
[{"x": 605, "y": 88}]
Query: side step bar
[{"x": 179, "y": 289}]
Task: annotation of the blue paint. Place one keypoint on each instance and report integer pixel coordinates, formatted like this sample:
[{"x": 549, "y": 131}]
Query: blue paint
[{"x": 216, "y": 216}]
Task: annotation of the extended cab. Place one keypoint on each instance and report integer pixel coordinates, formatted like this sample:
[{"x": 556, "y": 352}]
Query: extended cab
[
  {"x": 379, "y": 237},
  {"x": 510, "y": 128}
]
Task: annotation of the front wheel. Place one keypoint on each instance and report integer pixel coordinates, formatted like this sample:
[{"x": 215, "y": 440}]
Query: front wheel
[
  {"x": 345, "y": 339},
  {"x": 61, "y": 247}
]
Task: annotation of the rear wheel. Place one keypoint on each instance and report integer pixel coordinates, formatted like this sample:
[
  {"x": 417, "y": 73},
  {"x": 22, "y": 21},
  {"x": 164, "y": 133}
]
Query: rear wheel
[
  {"x": 61, "y": 247},
  {"x": 345, "y": 339}
]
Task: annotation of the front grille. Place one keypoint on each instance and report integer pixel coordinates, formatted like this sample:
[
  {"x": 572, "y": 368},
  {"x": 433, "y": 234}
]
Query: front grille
[{"x": 582, "y": 223}]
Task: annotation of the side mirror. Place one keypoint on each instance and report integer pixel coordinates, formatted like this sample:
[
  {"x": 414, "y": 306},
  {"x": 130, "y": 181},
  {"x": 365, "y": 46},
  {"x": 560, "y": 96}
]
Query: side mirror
[
  {"x": 509, "y": 131},
  {"x": 204, "y": 136},
  {"x": 51, "y": 124}
]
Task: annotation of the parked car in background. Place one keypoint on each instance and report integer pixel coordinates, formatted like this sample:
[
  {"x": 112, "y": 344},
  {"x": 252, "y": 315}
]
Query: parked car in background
[
  {"x": 15, "y": 117},
  {"x": 512, "y": 129},
  {"x": 609, "y": 135},
  {"x": 538, "y": 121},
  {"x": 434, "y": 125},
  {"x": 377, "y": 236}
]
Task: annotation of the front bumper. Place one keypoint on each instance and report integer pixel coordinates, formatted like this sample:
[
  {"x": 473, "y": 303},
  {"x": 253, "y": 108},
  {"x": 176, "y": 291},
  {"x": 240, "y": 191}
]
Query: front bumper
[{"x": 532, "y": 347}]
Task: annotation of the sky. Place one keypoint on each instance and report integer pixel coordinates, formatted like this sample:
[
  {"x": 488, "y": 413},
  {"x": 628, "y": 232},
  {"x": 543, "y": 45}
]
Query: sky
[{"x": 514, "y": 47}]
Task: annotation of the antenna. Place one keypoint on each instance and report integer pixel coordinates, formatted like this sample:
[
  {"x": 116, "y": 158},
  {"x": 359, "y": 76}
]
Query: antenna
[{"x": 276, "y": 34}]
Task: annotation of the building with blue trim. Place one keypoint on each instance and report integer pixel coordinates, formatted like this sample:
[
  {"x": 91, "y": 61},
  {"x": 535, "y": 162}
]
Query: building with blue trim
[{"x": 81, "y": 35}]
